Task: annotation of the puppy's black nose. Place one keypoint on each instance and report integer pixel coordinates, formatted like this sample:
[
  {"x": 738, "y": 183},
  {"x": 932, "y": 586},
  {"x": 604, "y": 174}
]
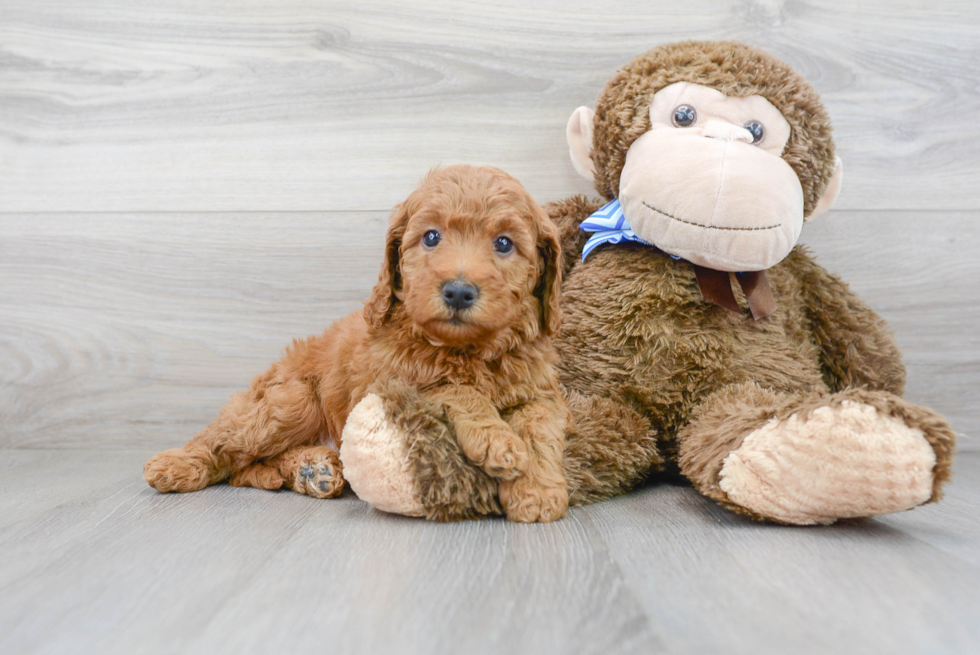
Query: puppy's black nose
[{"x": 458, "y": 294}]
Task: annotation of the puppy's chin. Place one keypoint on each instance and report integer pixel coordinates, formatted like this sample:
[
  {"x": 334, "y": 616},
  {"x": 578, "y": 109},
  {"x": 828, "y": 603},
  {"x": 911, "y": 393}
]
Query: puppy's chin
[
  {"x": 455, "y": 331},
  {"x": 478, "y": 325}
]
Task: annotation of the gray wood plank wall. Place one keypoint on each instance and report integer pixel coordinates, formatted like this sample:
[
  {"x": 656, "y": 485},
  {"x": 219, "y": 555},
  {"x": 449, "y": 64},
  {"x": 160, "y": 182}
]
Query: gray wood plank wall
[{"x": 185, "y": 186}]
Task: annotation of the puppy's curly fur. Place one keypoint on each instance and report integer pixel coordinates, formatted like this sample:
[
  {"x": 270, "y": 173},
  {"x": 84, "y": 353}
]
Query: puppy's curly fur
[{"x": 489, "y": 360}]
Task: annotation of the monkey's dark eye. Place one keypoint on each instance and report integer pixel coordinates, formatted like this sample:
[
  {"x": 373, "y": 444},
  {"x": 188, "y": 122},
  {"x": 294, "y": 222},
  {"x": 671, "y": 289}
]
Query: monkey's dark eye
[
  {"x": 503, "y": 245},
  {"x": 756, "y": 129},
  {"x": 431, "y": 239},
  {"x": 685, "y": 116}
]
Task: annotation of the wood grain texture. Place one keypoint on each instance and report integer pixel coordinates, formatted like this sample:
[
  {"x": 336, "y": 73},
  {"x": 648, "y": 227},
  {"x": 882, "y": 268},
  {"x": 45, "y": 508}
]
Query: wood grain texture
[
  {"x": 124, "y": 330},
  {"x": 118, "y": 568},
  {"x": 188, "y": 185},
  {"x": 131, "y": 330},
  {"x": 306, "y": 105},
  {"x": 231, "y": 570},
  {"x": 84, "y": 472},
  {"x": 889, "y": 585},
  {"x": 919, "y": 271}
]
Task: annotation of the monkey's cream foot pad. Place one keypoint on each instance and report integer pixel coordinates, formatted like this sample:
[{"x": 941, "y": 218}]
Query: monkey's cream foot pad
[
  {"x": 375, "y": 460},
  {"x": 847, "y": 461}
]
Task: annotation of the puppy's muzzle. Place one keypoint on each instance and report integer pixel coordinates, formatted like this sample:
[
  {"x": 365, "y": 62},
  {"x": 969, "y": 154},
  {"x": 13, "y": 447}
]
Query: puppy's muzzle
[{"x": 459, "y": 295}]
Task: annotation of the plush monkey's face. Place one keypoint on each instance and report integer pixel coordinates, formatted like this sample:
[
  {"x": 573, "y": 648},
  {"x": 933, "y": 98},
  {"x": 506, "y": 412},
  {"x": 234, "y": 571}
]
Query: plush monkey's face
[{"x": 707, "y": 182}]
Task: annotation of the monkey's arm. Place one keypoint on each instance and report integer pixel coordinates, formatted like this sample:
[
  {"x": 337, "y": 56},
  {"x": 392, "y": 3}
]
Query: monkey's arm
[
  {"x": 567, "y": 214},
  {"x": 857, "y": 348}
]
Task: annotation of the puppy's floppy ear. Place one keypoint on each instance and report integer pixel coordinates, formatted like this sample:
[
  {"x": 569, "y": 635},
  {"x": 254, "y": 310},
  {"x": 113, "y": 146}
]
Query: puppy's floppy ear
[
  {"x": 548, "y": 289},
  {"x": 383, "y": 297}
]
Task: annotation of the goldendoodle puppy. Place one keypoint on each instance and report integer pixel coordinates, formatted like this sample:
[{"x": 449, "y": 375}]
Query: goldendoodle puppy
[{"x": 464, "y": 311}]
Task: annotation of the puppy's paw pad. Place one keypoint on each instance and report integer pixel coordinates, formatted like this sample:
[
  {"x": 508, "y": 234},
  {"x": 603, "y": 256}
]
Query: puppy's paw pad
[{"x": 320, "y": 477}]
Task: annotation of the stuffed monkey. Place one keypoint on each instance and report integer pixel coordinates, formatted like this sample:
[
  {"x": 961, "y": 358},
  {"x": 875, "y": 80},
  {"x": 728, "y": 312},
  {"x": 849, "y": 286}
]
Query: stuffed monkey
[{"x": 697, "y": 337}]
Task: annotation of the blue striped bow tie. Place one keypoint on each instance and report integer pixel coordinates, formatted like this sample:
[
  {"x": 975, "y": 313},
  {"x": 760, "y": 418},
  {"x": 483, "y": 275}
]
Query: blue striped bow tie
[{"x": 610, "y": 226}]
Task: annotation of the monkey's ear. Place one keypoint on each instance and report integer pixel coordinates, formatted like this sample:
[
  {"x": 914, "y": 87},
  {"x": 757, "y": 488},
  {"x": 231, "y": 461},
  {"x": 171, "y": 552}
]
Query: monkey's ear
[
  {"x": 830, "y": 193},
  {"x": 383, "y": 297},
  {"x": 579, "y": 135},
  {"x": 548, "y": 288}
]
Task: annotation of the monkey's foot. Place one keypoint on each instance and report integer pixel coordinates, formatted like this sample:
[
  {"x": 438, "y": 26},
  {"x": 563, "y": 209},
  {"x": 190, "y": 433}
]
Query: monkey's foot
[
  {"x": 848, "y": 460},
  {"x": 375, "y": 457},
  {"x": 401, "y": 456}
]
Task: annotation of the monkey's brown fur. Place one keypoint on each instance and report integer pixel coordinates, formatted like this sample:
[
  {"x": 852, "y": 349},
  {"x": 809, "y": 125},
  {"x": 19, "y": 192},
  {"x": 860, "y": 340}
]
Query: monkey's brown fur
[
  {"x": 488, "y": 368},
  {"x": 655, "y": 376}
]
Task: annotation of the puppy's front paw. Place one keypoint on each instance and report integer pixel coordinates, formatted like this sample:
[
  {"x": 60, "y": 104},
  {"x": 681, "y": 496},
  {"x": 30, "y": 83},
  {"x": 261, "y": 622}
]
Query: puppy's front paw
[
  {"x": 177, "y": 470},
  {"x": 498, "y": 451},
  {"x": 319, "y": 474},
  {"x": 527, "y": 501}
]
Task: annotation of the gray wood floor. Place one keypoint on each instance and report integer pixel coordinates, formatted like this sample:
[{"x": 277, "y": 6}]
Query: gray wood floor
[
  {"x": 186, "y": 186},
  {"x": 94, "y": 561}
]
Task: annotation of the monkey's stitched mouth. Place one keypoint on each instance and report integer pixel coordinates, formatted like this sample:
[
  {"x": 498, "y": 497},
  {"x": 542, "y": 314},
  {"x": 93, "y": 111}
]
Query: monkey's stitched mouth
[{"x": 712, "y": 227}]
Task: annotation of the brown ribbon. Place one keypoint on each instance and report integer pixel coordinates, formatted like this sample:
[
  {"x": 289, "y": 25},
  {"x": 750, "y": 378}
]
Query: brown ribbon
[{"x": 716, "y": 287}]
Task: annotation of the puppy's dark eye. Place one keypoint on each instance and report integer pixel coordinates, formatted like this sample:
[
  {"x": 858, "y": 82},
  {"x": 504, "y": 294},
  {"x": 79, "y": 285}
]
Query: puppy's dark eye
[
  {"x": 431, "y": 239},
  {"x": 684, "y": 116},
  {"x": 503, "y": 245},
  {"x": 756, "y": 129}
]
